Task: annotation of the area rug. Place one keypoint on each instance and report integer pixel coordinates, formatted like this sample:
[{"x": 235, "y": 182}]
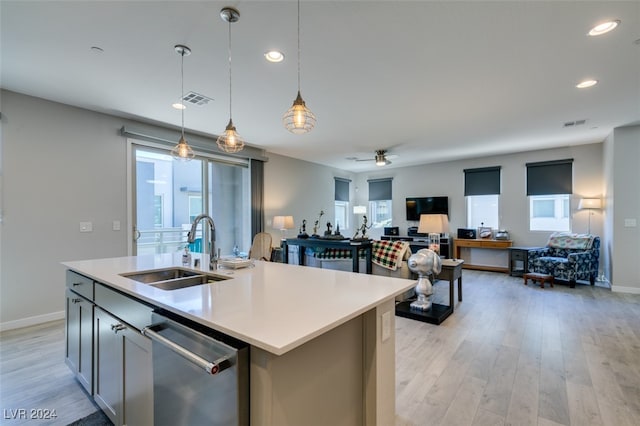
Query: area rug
[{"x": 96, "y": 419}]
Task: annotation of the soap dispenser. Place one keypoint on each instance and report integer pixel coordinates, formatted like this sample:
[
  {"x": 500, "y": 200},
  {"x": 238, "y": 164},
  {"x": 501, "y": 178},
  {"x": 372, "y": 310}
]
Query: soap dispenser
[{"x": 186, "y": 257}]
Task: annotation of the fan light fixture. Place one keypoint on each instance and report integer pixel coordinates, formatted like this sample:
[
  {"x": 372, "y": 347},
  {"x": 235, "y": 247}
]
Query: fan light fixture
[
  {"x": 230, "y": 141},
  {"x": 299, "y": 119},
  {"x": 604, "y": 27},
  {"x": 182, "y": 151},
  {"x": 381, "y": 158}
]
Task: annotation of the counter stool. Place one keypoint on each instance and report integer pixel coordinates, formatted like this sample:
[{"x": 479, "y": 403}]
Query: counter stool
[{"x": 534, "y": 276}]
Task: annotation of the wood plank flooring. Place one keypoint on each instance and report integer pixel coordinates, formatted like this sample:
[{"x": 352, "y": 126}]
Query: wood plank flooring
[{"x": 509, "y": 355}]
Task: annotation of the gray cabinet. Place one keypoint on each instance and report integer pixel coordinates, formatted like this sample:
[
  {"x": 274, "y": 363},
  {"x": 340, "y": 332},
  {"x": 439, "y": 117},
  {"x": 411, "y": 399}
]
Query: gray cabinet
[
  {"x": 79, "y": 329},
  {"x": 123, "y": 371},
  {"x": 123, "y": 359}
]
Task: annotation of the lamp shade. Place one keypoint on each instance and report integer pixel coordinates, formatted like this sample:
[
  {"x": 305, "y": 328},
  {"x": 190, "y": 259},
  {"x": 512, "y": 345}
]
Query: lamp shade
[
  {"x": 590, "y": 203},
  {"x": 283, "y": 222},
  {"x": 359, "y": 209},
  {"x": 433, "y": 223}
]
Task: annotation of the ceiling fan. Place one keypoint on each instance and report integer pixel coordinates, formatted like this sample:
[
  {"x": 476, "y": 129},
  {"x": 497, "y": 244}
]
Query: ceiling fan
[{"x": 381, "y": 158}]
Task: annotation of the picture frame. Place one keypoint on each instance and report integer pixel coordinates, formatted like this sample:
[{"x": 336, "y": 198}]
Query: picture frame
[{"x": 485, "y": 233}]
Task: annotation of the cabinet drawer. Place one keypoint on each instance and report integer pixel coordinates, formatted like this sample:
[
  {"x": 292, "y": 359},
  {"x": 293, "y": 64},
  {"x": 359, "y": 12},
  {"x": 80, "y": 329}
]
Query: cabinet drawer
[
  {"x": 128, "y": 309},
  {"x": 80, "y": 284},
  {"x": 495, "y": 244},
  {"x": 518, "y": 255}
]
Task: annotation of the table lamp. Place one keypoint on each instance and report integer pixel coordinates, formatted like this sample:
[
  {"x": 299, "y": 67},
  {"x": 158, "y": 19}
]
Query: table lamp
[
  {"x": 283, "y": 223},
  {"x": 434, "y": 225}
]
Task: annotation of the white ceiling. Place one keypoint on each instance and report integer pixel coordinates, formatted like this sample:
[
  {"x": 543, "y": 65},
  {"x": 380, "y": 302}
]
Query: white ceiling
[{"x": 430, "y": 81}]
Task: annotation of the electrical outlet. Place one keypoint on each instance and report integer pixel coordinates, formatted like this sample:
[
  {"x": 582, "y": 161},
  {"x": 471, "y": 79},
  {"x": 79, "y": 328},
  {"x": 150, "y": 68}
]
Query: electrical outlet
[
  {"x": 116, "y": 225},
  {"x": 630, "y": 223},
  {"x": 86, "y": 227}
]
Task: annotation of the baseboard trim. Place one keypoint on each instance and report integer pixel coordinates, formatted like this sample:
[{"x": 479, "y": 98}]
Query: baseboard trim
[
  {"x": 27, "y": 322},
  {"x": 622, "y": 289}
]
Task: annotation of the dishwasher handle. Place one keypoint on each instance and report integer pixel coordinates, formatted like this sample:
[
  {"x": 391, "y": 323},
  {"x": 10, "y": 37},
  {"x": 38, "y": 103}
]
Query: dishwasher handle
[{"x": 211, "y": 367}]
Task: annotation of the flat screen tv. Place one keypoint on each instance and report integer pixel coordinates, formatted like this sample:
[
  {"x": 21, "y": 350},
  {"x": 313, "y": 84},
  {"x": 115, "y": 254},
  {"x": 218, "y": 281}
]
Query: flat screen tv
[{"x": 426, "y": 205}]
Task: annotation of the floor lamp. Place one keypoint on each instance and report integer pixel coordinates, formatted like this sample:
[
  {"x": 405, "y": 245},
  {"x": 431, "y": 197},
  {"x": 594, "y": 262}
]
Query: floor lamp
[{"x": 590, "y": 204}]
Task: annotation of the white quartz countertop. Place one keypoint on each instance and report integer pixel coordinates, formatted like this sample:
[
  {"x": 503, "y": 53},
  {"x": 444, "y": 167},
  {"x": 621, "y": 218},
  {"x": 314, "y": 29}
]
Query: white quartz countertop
[{"x": 276, "y": 307}]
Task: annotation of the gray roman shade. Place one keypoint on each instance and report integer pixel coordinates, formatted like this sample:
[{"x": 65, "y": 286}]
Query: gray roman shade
[
  {"x": 550, "y": 177},
  {"x": 482, "y": 181},
  {"x": 380, "y": 189},
  {"x": 341, "y": 189}
]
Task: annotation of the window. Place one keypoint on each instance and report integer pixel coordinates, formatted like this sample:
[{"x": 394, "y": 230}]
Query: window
[
  {"x": 380, "y": 205},
  {"x": 169, "y": 194},
  {"x": 549, "y": 213},
  {"x": 549, "y": 187},
  {"x": 482, "y": 192},
  {"x": 482, "y": 210},
  {"x": 341, "y": 209},
  {"x": 195, "y": 207}
]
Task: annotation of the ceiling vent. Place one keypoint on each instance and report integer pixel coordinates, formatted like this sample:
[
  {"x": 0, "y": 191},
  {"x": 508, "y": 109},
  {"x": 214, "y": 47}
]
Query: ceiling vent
[
  {"x": 574, "y": 123},
  {"x": 196, "y": 99}
]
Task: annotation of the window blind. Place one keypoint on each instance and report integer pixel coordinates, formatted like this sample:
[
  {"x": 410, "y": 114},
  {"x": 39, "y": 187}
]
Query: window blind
[
  {"x": 550, "y": 177},
  {"x": 341, "y": 189},
  {"x": 380, "y": 189},
  {"x": 482, "y": 181}
]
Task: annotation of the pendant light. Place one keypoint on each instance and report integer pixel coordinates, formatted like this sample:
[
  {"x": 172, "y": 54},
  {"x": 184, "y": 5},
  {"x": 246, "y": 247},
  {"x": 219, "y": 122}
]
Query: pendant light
[
  {"x": 230, "y": 140},
  {"x": 182, "y": 151},
  {"x": 299, "y": 119}
]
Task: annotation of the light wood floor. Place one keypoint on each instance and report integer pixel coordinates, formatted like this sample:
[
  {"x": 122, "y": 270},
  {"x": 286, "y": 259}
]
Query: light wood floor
[{"x": 509, "y": 355}]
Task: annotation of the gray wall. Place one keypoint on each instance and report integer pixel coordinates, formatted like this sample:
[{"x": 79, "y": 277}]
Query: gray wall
[
  {"x": 622, "y": 206},
  {"x": 62, "y": 165}
]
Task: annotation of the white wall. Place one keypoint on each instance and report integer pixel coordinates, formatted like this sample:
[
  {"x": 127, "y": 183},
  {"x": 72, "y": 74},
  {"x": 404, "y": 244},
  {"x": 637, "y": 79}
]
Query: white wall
[
  {"x": 301, "y": 189},
  {"x": 61, "y": 165},
  {"x": 625, "y": 208},
  {"x": 447, "y": 179}
]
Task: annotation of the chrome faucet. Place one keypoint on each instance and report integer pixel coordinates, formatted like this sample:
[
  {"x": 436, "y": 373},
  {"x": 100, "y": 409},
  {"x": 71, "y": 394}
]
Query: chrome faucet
[{"x": 191, "y": 236}]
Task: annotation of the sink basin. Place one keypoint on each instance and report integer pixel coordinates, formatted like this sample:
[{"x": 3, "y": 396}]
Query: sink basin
[{"x": 173, "y": 278}]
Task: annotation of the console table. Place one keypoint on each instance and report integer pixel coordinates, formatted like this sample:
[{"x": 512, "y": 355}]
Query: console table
[
  {"x": 354, "y": 246},
  {"x": 451, "y": 271},
  {"x": 458, "y": 243}
]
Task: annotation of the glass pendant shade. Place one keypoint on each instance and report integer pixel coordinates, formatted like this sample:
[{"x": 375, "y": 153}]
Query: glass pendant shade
[
  {"x": 230, "y": 140},
  {"x": 182, "y": 151},
  {"x": 299, "y": 119}
]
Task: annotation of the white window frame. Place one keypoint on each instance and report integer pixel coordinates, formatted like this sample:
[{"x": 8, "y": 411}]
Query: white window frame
[
  {"x": 374, "y": 206},
  {"x": 341, "y": 212}
]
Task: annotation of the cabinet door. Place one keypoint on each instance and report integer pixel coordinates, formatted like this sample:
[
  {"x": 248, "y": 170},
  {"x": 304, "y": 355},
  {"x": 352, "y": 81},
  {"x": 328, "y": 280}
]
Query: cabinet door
[
  {"x": 108, "y": 364},
  {"x": 85, "y": 360},
  {"x": 72, "y": 331},
  {"x": 137, "y": 378}
]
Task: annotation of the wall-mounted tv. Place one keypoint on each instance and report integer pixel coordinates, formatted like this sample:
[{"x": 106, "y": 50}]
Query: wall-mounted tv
[{"x": 426, "y": 205}]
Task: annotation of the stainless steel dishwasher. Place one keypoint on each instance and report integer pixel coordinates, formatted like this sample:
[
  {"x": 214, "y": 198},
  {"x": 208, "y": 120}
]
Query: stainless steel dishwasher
[{"x": 197, "y": 378}]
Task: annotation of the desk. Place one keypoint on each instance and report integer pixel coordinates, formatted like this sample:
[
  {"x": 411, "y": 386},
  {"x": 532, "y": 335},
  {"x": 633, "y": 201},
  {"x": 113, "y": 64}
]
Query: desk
[
  {"x": 458, "y": 243},
  {"x": 354, "y": 246},
  {"x": 451, "y": 271}
]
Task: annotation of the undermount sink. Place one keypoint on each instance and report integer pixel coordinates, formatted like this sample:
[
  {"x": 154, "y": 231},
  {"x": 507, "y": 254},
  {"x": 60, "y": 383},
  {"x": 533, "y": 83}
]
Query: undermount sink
[{"x": 173, "y": 278}]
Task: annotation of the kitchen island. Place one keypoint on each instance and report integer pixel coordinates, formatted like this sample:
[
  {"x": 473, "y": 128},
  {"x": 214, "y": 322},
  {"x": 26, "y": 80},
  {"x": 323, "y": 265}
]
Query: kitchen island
[{"x": 322, "y": 342}]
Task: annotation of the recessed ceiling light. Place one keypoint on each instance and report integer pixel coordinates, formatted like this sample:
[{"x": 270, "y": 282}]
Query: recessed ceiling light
[
  {"x": 274, "y": 56},
  {"x": 586, "y": 83},
  {"x": 178, "y": 105},
  {"x": 604, "y": 27}
]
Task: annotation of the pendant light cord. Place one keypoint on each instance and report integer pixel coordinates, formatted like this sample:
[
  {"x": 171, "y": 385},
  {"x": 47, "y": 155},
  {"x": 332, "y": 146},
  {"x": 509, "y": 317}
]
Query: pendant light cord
[
  {"x": 230, "y": 70},
  {"x": 298, "y": 45},
  {"x": 182, "y": 89}
]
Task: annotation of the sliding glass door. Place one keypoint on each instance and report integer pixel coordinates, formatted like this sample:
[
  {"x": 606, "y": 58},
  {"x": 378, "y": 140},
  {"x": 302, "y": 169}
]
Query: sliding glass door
[{"x": 168, "y": 195}]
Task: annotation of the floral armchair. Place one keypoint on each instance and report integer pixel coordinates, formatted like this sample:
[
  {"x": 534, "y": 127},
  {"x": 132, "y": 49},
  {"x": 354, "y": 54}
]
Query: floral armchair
[{"x": 570, "y": 257}]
